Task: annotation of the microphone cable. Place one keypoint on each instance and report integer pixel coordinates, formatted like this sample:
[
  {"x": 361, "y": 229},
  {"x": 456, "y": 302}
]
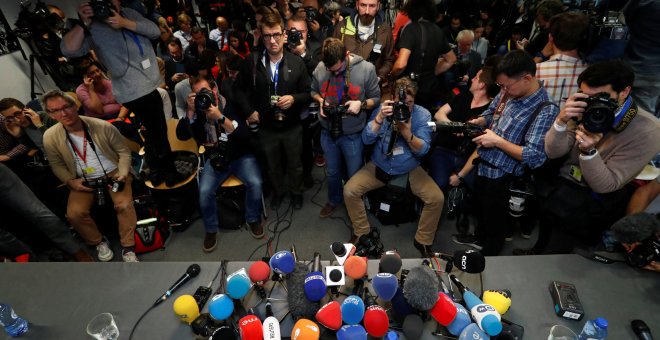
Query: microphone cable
[{"x": 140, "y": 319}]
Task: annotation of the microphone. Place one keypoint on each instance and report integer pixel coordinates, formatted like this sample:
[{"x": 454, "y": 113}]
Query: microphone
[
  {"x": 391, "y": 335},
  {"x": 238, "y": 284},
  {"x": 186, "y": 308},
  {"x": 259, "y": 273},
  {"x": 352, "y": 332},
  {"x": 385, "y": 285},
  {"x": 641, "y": 330},
  {"x": 315, "y": 287},
  {"x": 271, "y": 326},
  {"x": 329, "y": 316},
  {"x": 352, "y": 310},
  {"x": 421, "y": 288},
  {"x": 305, "y": 330},
  {"x": 250, "y": 328},
  {"x": 355, "y": 267},
  {"x": 461, "y": 321},
  {"x": 400, "y": 305},
  {"x": 444, "y": 311},
  {"x": 221, "y": 307},
  {"x": 488, "y": 319},
  {"x": 390, "y": 262},
  {"x": 191, "y": 272},
  {"x": 376, "y": 321},
  {"x": 473, "y": 332},
  {"x": 470, "y": 261},
  {"x": 224, "y": 333},
  {"x": 413, "y": 327},
  {"x": 282, "y": 262},
  {"x": 499, "y": 299},
  {"x": 299, "y": 305},
  {"x": 342, "y": 251}
]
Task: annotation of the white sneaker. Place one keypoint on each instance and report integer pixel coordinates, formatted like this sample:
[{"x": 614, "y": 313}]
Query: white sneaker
[
  {"x": 129, "y": 256},
  {"x": 105, "y": 254}
]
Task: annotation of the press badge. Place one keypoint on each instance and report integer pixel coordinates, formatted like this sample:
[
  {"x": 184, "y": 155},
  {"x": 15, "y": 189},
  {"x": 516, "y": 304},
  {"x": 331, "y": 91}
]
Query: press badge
[
  {"x": 397, "y": 151},
  {"x": 89, "y": 170},
  {"x": 576, "y": 173},
  {"x": 377, "y": 48},
  {"x": 145, "y": 64}
]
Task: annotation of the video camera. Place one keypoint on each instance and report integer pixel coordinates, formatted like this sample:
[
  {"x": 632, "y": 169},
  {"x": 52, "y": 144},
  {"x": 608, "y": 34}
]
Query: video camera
[
  {"x": 294, "y": 38},
  {"x": 100, "y": 185},
  {"x": 101, "y": 8},
  {"x": 335, "y": 114},
  {"x": 644, "y": 253},
  {"x": 598, "y": 116}
]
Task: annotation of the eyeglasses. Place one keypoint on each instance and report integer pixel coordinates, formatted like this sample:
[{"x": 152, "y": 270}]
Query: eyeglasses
[
  {"x": 14, "y": 116},
  {"x": 267, "y": 37},
  {"x": 508, "y": 87},
  {"x": 60, "y": 110}
]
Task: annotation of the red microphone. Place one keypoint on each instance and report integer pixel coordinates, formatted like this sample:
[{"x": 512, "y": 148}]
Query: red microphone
[
  {"x": 250, "y": 328},
  {"x": 444, "y": 311},
  {"x": 376, "y": 321},
  {"x": 329, "y": 316},
  {"x": 259, "y": 273},
  {"x": 356, "y": 267}
]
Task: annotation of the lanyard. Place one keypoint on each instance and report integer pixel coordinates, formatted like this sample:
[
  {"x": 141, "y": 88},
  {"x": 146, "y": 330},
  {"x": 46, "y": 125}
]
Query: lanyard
[
  {"x": 136, "y": 40},
  {"x": 82, "y": 156},
  {"x": 499, "y": 110},
  {"x": 274, "y": 76}
]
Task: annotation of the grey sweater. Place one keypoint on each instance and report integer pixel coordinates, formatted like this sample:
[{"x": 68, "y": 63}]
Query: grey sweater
[{"x": 120, "y": 52}]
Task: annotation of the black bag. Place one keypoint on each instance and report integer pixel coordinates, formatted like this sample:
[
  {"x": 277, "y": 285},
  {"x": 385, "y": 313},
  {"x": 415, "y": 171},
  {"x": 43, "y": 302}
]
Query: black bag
[
  {"x": 231, "y": 207},
  {"x": 178, "y": 205},
  {"x": 394, "y": 203}
]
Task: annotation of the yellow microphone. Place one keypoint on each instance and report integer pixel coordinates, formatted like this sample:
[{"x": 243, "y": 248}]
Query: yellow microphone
[
  {"x": 499, "y": 299},
  {"x": 185, "y": 307}
]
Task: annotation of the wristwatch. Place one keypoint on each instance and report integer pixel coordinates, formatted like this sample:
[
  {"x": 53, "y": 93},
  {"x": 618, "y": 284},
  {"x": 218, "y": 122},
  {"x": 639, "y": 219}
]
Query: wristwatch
[
  {"x": 589, "y": 152},
  {"x": 363, "y": 105},
  {"x": 222, "y": 119}
]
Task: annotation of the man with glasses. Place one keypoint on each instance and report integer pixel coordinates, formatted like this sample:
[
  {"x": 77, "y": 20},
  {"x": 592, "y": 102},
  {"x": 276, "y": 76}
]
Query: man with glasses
[
  {"x": 271, "y": 90},
  {"x": 516, "y": 122},
  {"x": 89, "y": 156},
  {"x": 13, "y": 146}
]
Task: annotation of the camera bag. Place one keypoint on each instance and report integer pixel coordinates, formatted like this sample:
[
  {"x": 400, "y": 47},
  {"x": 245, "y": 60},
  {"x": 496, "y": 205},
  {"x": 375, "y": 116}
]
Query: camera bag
[
  {"x": 152, "y": 229},
  {"x": 394, "y": 203},
  {"x": 231, "y": 207}
]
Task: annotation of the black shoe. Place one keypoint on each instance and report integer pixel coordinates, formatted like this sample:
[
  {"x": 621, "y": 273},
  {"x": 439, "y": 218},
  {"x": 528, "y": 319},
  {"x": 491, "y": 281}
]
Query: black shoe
[
  {"x": 308, "y": 181},
  {"x": 297, "y": 201},
  {"x": 426, "y": 251},
  {"x": 468, "y": 240}
]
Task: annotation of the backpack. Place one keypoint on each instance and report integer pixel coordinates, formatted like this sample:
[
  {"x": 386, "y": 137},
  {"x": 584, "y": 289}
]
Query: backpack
[
  {"x": 152, "y": 229},
  {"x": 231, "y": 207},
  {"x": 394, "y": 203}
]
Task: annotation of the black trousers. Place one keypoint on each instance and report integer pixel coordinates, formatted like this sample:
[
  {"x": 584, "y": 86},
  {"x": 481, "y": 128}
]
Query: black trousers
[{"x": 492, "y": 197}]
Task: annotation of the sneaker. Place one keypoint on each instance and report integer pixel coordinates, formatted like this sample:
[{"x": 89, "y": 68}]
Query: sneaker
[
  {"x": 129, "y": 256},
  {"x": 327, "y": 210},
  {"x": 297, "y": 201},
  {"x": 256, "y": 229},
  {"x": 319, "y": 161},
  {"x": 425, "y": 250},
  {"x": 519, "y": 252},
  {"x": 210, "y": 242},
  {"x": 468, "y": 240},
  {"x": 508, "y": 238},
  {"x": 105, "y": 254}
]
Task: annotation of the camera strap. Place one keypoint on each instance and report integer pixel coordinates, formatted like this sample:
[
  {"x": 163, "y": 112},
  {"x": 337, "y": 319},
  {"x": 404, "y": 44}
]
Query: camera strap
[
  {"x": 87, "y": 139},
  {"x": 341, "y": 90},
  {"x": 626, "y": 114}
]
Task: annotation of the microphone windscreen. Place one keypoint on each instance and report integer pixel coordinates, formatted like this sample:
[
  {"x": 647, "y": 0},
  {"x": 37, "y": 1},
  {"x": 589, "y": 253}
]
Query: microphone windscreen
[
  {"x": 355, "y": 267},
  {"x": 473, "y": 332},
  {"x": 400, "y": 305},
  {"x": 283, "y": 262},
  {"x": 352, "y": 310},
  {"x": 271, "y": 329},
  {"x": 413, "y": 327},
  {"x": 421, "y": 288},
  {"x": 315, "y": 287},
  {"x": 193, "y": 270},
  {"x": 391, "y": 335},
  {"x": 461, "y": 321},
  {"x": 385, "y": 285},
  {"x": 259, "y": 272},
  {"x": 221, "y": 307},
  {"x": 469, "y": 261},
  {"x": 250, "y": 328},
  {"x": 376, "y": 321},
  {"x": 238, "y": 286},
  {"x": 299, "y": 305},
  {"x": 500, "y": 300},
  {"x": 186, "y": 308},
  {"x": 352, "y": 332},
  {"x": 329, "y": 316},
  {"x": 444, "y": 310},
  {"x": 305, "y": 330},
  {"x": 390, "y": 262}
]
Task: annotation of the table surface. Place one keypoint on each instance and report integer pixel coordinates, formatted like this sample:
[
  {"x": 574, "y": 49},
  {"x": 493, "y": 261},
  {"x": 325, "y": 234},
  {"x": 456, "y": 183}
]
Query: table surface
[{"x": 60, "y": 298}]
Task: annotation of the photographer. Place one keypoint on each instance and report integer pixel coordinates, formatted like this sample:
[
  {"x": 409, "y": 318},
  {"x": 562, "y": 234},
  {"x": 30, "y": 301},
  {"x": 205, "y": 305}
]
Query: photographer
[
  {"x": 606, "y": 140},
  {"x": 89, "y": 156},
  {"x": 345, "y": 86},
  {"x": 397, "y": 153},
  {"x": 227, "y": 141},
  {"x": 271, "y": 89},
  {"x": 121, "y": 38},
  {"x": 639, "y": 234}
]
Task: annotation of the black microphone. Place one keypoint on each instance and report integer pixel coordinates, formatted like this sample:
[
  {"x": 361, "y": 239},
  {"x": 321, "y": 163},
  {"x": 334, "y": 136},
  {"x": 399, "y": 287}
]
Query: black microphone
[
  {"x": 191, "y": 272},
  {"x": 469, "y": 261},
  {"x": 641, "y": 330}
]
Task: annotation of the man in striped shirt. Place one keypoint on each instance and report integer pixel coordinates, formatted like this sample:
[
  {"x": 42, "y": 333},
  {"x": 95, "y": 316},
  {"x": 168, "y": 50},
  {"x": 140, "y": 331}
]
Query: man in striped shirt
[{"x": 559, "y": 74}]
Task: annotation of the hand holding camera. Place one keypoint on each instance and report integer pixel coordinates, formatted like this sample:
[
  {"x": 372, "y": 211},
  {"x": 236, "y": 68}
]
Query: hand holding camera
[
  {"x": 488, "y": 140},
  {"x": 353, "y": 107},
  {"x": 573, "y": 109},
  {"x": 77, "y": 184},
  {"x": 285, "y": 102}
]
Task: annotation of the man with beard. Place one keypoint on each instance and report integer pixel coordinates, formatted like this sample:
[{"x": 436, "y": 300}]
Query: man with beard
[{"x": 367, "y": 34}]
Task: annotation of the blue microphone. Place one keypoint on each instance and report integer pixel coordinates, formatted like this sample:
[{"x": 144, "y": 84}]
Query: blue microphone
[
  {"x": 473, "y": 332},
  {"x": 238, "y": 284},
  {"x": 315, "y": 287},
  {"x": 385, "y": 285},
  {"x": 221, "y": 307},
  {"x": 461, "y": 321},
  {"x": 400, "y": 305},
  {"x": 485, "y": 315},
  {"x": 352, "y": 310},
  {"x": 352, "y": 332},
  {"x": 283, "y": 262}
]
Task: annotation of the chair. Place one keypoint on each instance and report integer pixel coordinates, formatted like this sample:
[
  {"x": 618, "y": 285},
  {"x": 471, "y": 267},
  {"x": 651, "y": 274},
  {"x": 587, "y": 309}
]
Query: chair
[{"x": 233, "y": 181}]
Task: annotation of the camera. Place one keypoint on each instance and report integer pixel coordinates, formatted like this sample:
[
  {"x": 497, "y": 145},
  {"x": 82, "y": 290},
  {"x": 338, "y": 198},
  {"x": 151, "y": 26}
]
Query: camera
[
  {"x": 598, "y": 116},
  {"x": 400, "y": 111},
  {"x": 311, "y": 13},
  {"x": 520, "y": 189},
  {"x": 644, "y": 253},
  {"x": 335, "y": 114},
  {"x": 369, "y": 245},
  {"x": 101, "y": 8},
  {"x": 279, "y": 117},
  {"x": 218, "y": 153},
  {"x": 99, "y": 185},
  {"x": 204, "y": 99},
  {"x": 294, "y": 38}
]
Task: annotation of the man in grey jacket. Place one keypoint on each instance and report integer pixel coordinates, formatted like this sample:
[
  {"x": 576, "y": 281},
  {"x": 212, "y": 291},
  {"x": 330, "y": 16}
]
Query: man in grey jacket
[{"x": 346, "y": 86}]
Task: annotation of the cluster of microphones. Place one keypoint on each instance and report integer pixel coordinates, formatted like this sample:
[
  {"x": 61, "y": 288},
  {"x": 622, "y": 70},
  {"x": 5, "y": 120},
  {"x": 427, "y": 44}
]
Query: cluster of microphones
[{"x": 342, "y": 302}]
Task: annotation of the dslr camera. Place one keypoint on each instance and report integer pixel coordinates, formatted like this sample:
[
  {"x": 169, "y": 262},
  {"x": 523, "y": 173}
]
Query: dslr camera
[
  {"x": 294, "y": 38},
  {"x": 101, "y": 8},
  {"x": 218, "y": 153},
  {"x": 279, "y": 117},
  {"x": 400, "y": 111},
  {"x": 644, "y": 253},
  {"x": 311, "y": 14},
  {"x": 369, "y": 245},
  {"x": 204, "y": 99},
  {"x": 598, "y": 116},
  {"x": 100, "y": 185},
  {"x": 335, "y": 114}
]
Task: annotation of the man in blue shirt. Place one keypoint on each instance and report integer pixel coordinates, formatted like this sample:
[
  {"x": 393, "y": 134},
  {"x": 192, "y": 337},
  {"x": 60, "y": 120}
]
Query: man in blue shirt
[
  {"x": 513, "y": 141},
  {"x": 412, "y": 141}
]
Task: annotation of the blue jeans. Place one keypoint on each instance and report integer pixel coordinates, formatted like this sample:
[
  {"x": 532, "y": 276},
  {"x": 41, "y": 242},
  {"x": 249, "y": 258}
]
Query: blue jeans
[
  {"x": 246, "y": 169},
  {"x": 350, "y": 146},
  {"x": 443, "y": 163}
]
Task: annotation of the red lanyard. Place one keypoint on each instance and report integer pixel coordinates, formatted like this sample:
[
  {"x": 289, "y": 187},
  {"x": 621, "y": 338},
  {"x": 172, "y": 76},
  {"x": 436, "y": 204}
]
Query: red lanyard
[{"x": 83, "y": 157}]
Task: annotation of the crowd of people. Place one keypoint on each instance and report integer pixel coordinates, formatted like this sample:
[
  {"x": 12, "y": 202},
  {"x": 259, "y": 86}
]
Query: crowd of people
[{"x": 503, "y": 104}]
